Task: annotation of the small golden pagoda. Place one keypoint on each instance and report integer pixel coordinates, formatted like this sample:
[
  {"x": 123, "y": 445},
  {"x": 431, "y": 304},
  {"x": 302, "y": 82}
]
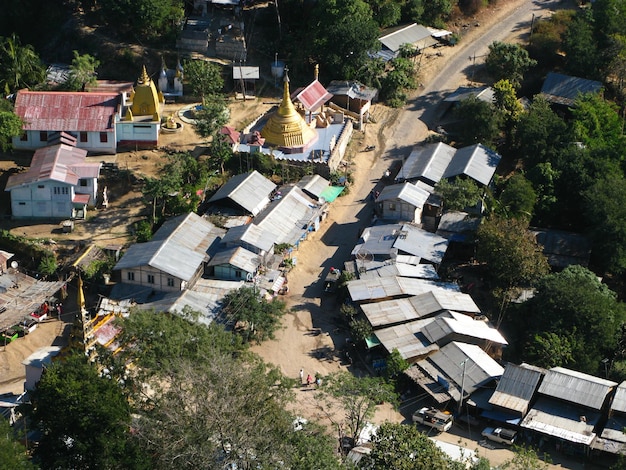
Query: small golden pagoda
[
  {"x": 286, "y": 128},
  {"x": 145, "y": 98}
]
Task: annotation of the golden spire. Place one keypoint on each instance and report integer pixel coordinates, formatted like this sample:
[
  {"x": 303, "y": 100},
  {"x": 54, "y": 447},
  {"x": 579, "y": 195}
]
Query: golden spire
[
  {"x": 144, "y": 79},
  {"x": 316, "y": 74},
  {"x": 286, "y": 128}
]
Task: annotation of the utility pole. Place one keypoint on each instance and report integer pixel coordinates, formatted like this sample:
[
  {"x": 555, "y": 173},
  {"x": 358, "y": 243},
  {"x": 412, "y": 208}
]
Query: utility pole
[
  {"x": 462, "y": 386},
  {"x": 532, "y": 24}
]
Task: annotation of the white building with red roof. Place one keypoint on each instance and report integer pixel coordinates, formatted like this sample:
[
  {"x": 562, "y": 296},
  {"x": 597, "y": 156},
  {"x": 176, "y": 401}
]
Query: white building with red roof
[
  {"x": 59, "y": 184},
  {"x": 90, "y": 117}
]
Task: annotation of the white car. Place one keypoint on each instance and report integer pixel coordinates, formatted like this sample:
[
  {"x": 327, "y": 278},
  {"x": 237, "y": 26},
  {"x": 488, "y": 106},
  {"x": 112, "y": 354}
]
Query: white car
[
  {"x": 434, "y": 418},
  {"x": 501, "y": 435}
]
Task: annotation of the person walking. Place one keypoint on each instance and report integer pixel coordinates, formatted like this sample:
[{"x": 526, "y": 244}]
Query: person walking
[
  {"x": 309, "y": 380},
  {"x": 301, "y": 376}
]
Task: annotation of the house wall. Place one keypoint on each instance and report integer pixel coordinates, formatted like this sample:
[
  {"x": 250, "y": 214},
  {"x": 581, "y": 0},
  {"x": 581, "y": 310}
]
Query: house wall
[
  {"x": 229, "y": 272},
  {"x": 38, "y": 200},
  {"x": 32, "y": 141},
  {"x": 140, "y": 276},
  {"x": 88, "y": 186},
  {"x": 400, "y": 210},
  {"x": 138, "y": 133}
]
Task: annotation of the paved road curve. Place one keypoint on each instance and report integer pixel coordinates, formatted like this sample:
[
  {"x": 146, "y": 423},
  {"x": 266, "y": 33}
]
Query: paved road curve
[{"x": 421, "y": 112}]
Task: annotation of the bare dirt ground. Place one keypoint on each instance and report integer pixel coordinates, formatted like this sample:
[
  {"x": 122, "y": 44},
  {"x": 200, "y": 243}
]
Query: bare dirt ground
[{"x": 311, "y": 337}]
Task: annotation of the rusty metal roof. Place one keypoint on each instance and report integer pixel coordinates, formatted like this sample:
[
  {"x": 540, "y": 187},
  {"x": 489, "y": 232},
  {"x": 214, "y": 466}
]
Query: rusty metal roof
[
  {"x": 67, "y": 111},
  {"x": 313, "y": 96},
  {"x": 61, "y": 162}
]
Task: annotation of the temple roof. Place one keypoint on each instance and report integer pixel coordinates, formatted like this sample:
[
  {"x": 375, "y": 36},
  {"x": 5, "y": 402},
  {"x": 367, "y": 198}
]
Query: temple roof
[
  {"x": 146, "y": 98},
  {"x": 286, "y": 127}
]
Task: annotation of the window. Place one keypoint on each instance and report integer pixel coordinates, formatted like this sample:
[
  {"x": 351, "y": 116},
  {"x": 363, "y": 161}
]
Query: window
[
  {"x": 83, "y": 137},
  {"x": 24, "y": 137},
  {"x": 82, "y": 183},
  {"x": 392, "y": 206},
  {"x": 61, "y": 190},
  {"x": 238, "y": 274},
  {"x": 43, "y": 136},
  {"x": 170, "y": 282},
  {"x": 40, "y": 186},
  {"x": 150, "y": 278},
  {"x": 104, "y": 137},
  {"x": 22, "y": 203},
  {"x": 130, "y": 276}
]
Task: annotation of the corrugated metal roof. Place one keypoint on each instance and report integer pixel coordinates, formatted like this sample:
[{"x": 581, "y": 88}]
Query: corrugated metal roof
[
  {"x": 208, "y": 305},
  {"x": 61, "y": 162},
  {"x": 516, "y": 388},
  {"x": 564, "y": 89},
  {"x": 249, "y": 234},
  {"x": 436, "y": 300},
  {"x": 178, "y": 248},
  {"x": 457, "y": 222},
  {"x": 238, "y": 257},
  {"x": 287, "y": 218},
  {"x": 354, "y": 89},
  {"x": 388, "y": 287},
  {"x": 390, "y": 268},
  {"x": 451, "y": 323},
  {"x": 614, "y": 429},
  {"x": 418, "y": 242},
  {"x": 249, "y": 190},
  {"x": 406, "y": 192},
  {"x": 313, "y": 96},
  {"x": 430, "y": 385},
  {"x": 576, "y": 387},
  {"x": 619, "y": 400},
  {"x": 313, "y": 185},
  {"x": 476, "y": 161},
  {"x": 406, "y": 338},
  {"x": 427, "y": 163},
  {"x": 461, "y": 362},
  {"x": 413, "y": 34},
  {"x": 67, "y": 111},
  {"x": 378, "y": 240},
  {"x": 563, "y": 248},
  {"x": 562, "y": 420},
  {"x": 389, "y": 312},
  {"x": 483, "y": 93}
]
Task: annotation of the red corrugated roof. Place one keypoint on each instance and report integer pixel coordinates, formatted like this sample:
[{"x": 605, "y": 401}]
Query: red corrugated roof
[
  {"x": 231, "y": 134},
  {"x": 314, "y": 96},
  {"x": 61, "y": 162},
  {"x": 81, "y": 198},
  {"x": 67, "y": 111}
]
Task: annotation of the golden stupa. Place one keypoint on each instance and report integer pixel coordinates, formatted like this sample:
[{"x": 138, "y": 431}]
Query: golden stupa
[
  {"x": 146, "y": 98},
  {"x": 286, "y": 128}
]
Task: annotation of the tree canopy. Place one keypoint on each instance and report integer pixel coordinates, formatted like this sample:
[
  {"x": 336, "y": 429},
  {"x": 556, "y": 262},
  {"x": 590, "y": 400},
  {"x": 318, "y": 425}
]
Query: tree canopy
[
  {"x": 13, "y": 454},
  {"x": 21, "y": 65},
  {"x": 575, "y": 317},
  {"x": 403, "y": 447},
  {"x": 459, "y": 194},
  {"x": 83, "y": 416},
  {"x": 10, "y": 126},
  {"x": 508, "y": 61},
  {"x": 511, "y": 253}
]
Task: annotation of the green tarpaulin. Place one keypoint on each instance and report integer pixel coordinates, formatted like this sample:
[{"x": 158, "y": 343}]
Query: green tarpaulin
[{"x": 331, "y": 193}]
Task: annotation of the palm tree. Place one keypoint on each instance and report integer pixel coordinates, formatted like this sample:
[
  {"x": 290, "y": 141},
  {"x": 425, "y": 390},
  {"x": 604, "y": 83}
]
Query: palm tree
[{"x": 22, "y": 67}]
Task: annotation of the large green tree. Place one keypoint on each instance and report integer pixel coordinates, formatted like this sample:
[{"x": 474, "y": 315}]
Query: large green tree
[
  {"x": 402, "y": 447},
  {"x": 84, "y": 419},
  {"x": 480, "y": 121},
  {"x": 21, "y": 65},
  {"x": 357, "y": 397},
  {"x": 582, "y": 58},
  {"x": 345, "y": 31},
  {"x": 459, "y": 194},
  {"x": 605, "y": 210},
  {"x": 508, "y": 61},
  {"x": 517, "y": 198},
  {"x": 203, "y": 78},
  {"x": 10, "y": 126},
  {"x": 257, "y": 317},
  {"x": 82, "y": 72},
  {"x": 13, "y": 454},
  {"x": 582, "y": 314},
  {"x": 512, "y": 255}
]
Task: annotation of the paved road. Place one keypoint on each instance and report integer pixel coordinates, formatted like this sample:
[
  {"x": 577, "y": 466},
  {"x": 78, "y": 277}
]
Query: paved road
[{"x": 422, "y": 112}]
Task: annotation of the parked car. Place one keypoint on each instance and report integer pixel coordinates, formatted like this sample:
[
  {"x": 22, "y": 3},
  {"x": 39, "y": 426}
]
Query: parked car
[
  {"x": 433, "y": 418},
  {"x": 501, "y": 435}
]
